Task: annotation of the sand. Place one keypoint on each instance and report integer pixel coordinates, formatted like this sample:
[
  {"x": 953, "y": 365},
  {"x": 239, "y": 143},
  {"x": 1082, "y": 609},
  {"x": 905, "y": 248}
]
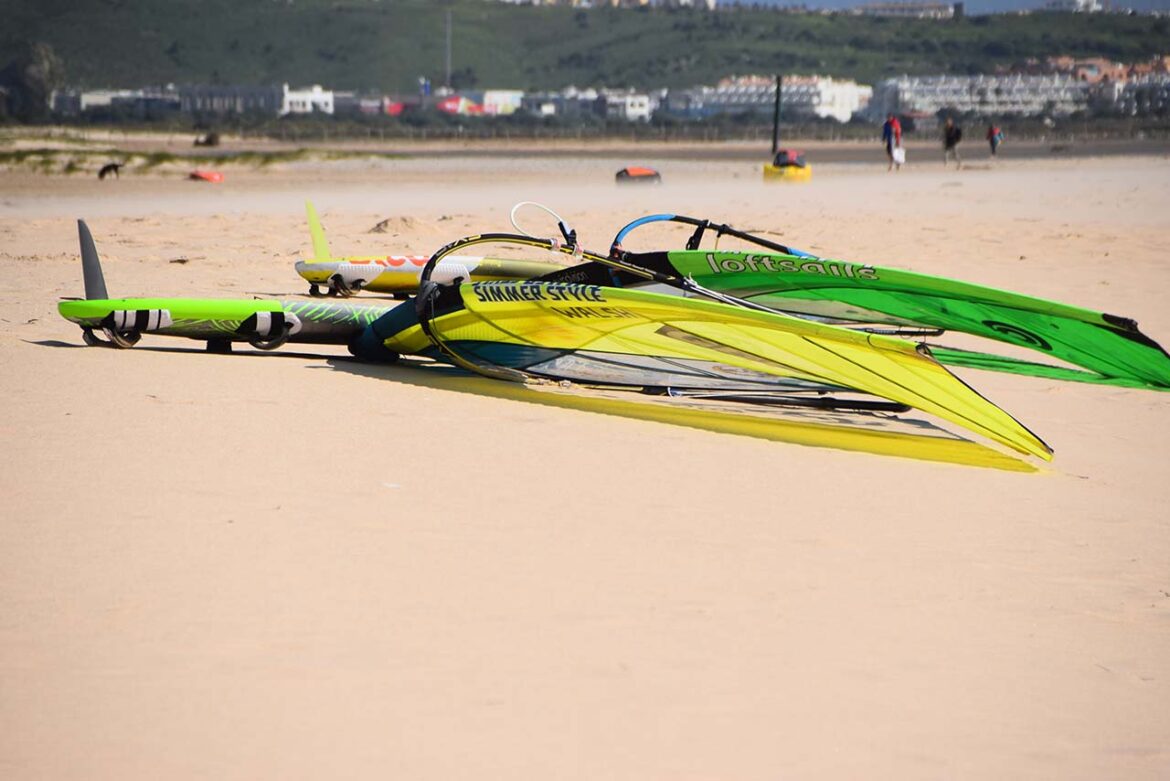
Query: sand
[{"x": 289, "y": 565}]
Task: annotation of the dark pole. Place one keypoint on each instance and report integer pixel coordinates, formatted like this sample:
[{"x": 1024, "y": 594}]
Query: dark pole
[
  {"x": 448, "y": 82},
  {"x": 776, "y": 115}
]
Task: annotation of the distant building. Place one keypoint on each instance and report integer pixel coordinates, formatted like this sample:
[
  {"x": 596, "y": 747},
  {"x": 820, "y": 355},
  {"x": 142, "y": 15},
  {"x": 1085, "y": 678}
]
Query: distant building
[
  {"x": 708, "y": 4},
  {"x": 826, "y": 98},
  {"x": 570, "y": 102},
  {"x": 1092, "y": 70},
  {"x": 1097, "y": 69},
  {"x": 803, "y": 96},
  {"x": 1003, "y": 95},
  {"x": 1145, "y": 95},
  {"x": 243, "y": 99},
  {"x": 909, "y": 10},
  {"x": 629, "y": 105},
  {"x": 223, "y": 99},
  {"x": 148, "y": 103},
  {"x": 1158, "y": 64},
  {"x": 1075, "y": 6},
  {"x": 69, "y": 102},
  {"x": 311, "y": 100},
  {"x": 502, "y": 102},
  {"x": 105, "y": 98}
]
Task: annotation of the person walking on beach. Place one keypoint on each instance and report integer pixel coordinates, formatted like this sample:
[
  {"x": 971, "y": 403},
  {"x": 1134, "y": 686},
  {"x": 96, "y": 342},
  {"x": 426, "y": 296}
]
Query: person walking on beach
[
  {"x": 994, "y": 138},
  {"x": 952, "y": 135},
  {"x": 892, "y": 137}
]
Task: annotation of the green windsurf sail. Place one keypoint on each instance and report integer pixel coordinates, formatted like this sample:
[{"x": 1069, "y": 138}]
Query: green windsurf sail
[{"x": 1111, "y": 348}]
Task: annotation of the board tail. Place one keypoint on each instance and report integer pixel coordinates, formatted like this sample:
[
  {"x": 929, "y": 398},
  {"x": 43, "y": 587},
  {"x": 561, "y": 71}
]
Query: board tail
[
  {"x": 320, "y": 244},
  {"x": 91, "y": 265}
]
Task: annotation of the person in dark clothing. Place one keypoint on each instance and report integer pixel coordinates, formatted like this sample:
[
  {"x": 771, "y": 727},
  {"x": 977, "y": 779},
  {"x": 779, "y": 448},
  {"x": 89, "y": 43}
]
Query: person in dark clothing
[
  {"x": 952, "y": 135},
  {"x": 994, "y": 138},
  {"x": 892, "y": 138}
]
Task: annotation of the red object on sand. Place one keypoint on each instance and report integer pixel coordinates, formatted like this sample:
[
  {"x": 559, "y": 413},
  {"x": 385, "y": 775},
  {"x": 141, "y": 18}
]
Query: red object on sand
[
  {"x": 206, "y": 176},
  {"x": 637, "y": 173},
  {"x": 786, "y": 157}
]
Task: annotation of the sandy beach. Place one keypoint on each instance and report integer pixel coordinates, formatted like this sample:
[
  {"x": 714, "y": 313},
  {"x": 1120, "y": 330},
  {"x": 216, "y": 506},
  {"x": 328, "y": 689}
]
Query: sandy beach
[{"x": 293, "y": 565}]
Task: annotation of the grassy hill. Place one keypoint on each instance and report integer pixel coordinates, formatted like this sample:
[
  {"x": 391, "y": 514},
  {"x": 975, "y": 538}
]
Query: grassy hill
[{"x": 387, "y": 44}]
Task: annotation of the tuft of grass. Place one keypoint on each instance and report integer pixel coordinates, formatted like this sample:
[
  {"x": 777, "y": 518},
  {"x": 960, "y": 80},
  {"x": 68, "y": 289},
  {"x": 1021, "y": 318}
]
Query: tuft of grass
[
  {"x": 30, "y": 156},
  {"x": 74, "y": 161},
  {"x": 155, "y": 159},
  {"x": 341, "y": 154}
]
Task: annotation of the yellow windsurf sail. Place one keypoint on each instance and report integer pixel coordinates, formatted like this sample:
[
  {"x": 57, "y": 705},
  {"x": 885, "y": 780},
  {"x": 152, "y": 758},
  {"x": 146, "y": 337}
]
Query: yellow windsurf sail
[
  {"x": 568, "y": 331},
  {"x": 320, "y": 243}
]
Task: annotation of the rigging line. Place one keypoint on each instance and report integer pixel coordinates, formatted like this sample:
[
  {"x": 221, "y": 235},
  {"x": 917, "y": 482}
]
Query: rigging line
[
  {"x": 429, "y": 292},
  {"x": 561, "y": 225}
]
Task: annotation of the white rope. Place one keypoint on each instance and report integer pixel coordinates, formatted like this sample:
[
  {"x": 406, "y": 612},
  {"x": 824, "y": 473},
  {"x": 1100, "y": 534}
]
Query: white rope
[{"x": 542, "y": 207}]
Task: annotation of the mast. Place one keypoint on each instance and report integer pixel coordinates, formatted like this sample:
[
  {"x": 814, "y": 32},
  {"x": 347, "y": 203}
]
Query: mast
[
  {"x": 776, "y": 114},
  {"x": 448, "y": 81}
]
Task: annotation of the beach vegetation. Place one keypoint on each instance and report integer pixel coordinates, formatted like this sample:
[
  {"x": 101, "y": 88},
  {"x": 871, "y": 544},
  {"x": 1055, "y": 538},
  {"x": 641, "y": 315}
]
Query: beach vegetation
[{"x": 80, "y": 159}]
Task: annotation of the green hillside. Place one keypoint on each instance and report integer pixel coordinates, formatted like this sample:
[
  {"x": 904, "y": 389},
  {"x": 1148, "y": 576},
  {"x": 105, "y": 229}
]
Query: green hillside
[{"x": 387, "y": 44}]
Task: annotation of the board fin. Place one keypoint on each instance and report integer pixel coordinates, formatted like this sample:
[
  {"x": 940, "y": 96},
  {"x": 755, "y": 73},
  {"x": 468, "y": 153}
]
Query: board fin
[
  {"x": 91, "y": 265},
  {"x": 320, "y": 244}
]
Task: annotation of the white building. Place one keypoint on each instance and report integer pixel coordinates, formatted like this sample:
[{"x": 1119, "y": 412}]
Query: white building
[
  {"x": 1149, "y": 94},
  {"x": 101, "y": 98},
  {"x": 1075, "y": 6},
  {"x": 825, "y": 97},
  {"x": 802, "y": 96},
  {"x": 909, "y": 10},
  {"x": 637, "y": 107},
  {"x": 502, "y": 102},
  {"x": 628, "y": 105},
  {"x": 988, "y": 95},
  {"x": 569, "y": 102},
  {"x": 306, "y": 101}
]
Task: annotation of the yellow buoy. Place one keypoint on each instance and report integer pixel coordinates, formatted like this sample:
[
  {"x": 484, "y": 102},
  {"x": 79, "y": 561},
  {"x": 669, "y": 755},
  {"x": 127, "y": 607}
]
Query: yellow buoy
[{"x": 789, "y": 165}]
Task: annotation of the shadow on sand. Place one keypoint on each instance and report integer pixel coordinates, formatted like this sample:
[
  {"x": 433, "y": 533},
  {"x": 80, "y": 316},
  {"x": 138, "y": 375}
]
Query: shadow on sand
[
  {"x": 861, "y": 433},
  {"x": 855, "y": 432}
]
